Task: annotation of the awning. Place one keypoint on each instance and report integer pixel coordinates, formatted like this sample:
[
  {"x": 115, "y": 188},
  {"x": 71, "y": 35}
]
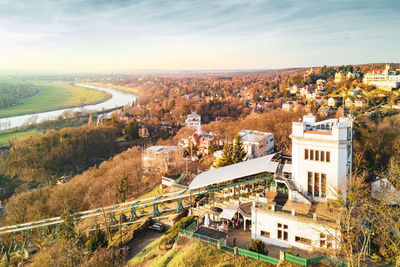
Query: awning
[{"x": 228, "y": 213}]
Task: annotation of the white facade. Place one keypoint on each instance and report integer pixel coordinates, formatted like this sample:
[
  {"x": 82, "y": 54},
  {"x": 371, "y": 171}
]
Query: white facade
[
  {"x": 193, "y": 121},
  {"x": 383, "y": 78},
  {"x": 257, "y": 144},
  {"x": 288, "y": 230},
  {"x": 321, "y": 156}
]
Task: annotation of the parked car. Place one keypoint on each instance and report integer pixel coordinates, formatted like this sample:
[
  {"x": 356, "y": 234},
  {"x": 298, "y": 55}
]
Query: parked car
[{"x": 159, "y": 227}]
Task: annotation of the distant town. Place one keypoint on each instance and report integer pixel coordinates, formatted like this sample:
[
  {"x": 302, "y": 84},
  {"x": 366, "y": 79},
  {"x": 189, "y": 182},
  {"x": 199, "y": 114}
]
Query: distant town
[{"x": 296, "y": 166}]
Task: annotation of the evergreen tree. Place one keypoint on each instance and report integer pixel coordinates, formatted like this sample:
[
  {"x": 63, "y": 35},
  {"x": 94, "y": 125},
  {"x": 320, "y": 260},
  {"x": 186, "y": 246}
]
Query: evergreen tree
[
  {"x": 238, "y": 150},
  {"x": 96, "y": 239},
  {"x": 132, "y": 130},
  {"x": 67, "y": 227},
  {"x": 227, "y": 156}
]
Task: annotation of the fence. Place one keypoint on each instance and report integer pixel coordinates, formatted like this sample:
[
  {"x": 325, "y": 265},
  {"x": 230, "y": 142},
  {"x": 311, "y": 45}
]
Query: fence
[
  {"x": 258, "y": 256},
  {"x": 254, "y": 255}
]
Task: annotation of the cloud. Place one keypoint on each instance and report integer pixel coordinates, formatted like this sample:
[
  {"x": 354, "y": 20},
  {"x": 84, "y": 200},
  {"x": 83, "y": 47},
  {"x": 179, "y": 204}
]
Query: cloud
[{"x": 150, "y": 28}]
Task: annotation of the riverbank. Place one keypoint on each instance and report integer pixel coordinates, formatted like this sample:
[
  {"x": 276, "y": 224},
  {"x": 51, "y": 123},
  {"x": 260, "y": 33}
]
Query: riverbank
[
  {"x": 117, "y": 87},
  {"x": 56, "y": 96},
  {"x": 118, "y": 99}
]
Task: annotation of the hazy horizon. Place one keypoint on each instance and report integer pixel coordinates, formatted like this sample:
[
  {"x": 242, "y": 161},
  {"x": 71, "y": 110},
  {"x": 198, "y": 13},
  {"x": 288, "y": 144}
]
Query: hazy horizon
[{"x": 127, "y": 36}]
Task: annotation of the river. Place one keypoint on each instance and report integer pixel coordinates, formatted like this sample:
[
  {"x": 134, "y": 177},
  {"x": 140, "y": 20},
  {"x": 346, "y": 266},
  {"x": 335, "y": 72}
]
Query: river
[{"x": 118, "y": 99}]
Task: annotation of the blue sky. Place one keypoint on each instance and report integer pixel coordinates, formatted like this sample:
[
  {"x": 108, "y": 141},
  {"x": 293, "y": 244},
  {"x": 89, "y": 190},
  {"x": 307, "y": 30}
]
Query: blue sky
[{"x": 91, "y": 36}]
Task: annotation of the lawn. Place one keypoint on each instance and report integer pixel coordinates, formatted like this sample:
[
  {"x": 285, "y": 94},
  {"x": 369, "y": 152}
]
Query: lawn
[
  {"x": 56, "y": 96},
  {"x": 193, "y": 253},
  {"x": 5, "y": 137}
]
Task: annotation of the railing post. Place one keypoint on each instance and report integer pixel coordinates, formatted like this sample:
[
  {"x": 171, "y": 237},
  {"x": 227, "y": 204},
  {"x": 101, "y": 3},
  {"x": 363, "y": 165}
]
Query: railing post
[
  {"x": 133, "y": 214},
  {"x": 156, "y": 212},
  {"x": 179, "y": 208},
  {"x": 282, "y": 255}
]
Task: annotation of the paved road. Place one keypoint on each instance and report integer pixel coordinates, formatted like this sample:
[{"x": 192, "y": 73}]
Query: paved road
[{"x": 140, "y": 241}]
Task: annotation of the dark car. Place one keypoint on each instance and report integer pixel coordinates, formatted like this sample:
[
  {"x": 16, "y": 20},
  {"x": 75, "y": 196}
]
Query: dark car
[{"x": 159, "y": 227}]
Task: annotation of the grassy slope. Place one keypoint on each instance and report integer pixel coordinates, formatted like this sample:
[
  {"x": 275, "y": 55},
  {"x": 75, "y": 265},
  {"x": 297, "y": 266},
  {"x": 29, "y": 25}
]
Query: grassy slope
[
  {"x": 5, "y": 137},
  {"x": 56, "y": 96},
  {"x": 194, "y": 253},
  {"x": 118, "y": 87}
]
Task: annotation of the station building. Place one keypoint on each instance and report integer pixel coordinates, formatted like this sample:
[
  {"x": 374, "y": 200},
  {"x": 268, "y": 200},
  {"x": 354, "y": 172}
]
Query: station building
[{"x": 285, "y": 200}]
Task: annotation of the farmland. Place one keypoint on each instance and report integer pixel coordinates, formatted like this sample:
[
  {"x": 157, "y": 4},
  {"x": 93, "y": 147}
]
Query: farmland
[{"x": 53, "y": 96}]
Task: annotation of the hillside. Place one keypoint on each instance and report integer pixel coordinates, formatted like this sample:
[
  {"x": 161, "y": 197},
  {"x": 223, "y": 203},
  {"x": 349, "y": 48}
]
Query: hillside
[{"x": 190, "y": 253}]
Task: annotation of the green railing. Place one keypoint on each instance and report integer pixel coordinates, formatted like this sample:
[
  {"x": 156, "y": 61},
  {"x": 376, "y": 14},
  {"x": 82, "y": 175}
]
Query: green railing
[
  {"x": 295, "y": 259},
  {"x": 227, "y": 249},
  {"x": 191, "y": 226},
  {"x": 335, "y": 262},
  {"x": 257, "y": 256},
  {"x": 188, "y": 231},
  {"x": 315, "y": 260}
]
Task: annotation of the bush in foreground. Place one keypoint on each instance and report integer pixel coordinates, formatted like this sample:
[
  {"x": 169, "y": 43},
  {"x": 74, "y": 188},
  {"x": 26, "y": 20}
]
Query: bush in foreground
[{"x": 257, "y": 246}]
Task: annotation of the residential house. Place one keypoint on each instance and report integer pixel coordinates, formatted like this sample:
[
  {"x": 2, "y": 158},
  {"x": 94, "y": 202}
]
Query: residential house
[
  {"x": 383, "y": 78},
  {"x": 143, "y": 131},
  {"x": 161, "y": 159},
  {"x": 382, "y": 189},
  {"x": 339, "y": 76},
  {"x": 334, "y": 101},
  {"x": 348, "y": 102},
  {"x": 193, "y": 121},
  {"x": 359, "y": 102},
  {"x": 257, "y": 144}
]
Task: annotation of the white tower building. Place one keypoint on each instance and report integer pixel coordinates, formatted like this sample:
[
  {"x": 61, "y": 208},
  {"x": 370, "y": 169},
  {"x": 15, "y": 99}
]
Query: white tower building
[
  {"x": 193, "y": 121},
  {"x": 321, "y": 157}
]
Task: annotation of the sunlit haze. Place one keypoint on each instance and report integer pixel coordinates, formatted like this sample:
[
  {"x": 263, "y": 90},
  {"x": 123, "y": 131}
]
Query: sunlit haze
[{"x": 104, "y": 36}]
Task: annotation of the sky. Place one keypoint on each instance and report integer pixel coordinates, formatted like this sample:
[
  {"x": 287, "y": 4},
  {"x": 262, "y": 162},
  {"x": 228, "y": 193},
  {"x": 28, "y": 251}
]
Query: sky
[{"x": 129, "y": 35}]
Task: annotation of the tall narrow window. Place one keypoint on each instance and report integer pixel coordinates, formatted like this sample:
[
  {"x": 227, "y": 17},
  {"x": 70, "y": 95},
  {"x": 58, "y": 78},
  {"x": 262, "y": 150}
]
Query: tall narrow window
[
  {"x": 322, "y": 155},
  {"x": 323, "y": 185},
  {"x": 328, "y": 156},
  {"x": 316, "y": 184},
  {"x": 305, "y": 153},
  {"x": 283, "y": 232},
  {"x": 311, "y": 154},
  {"x": 317, "y": 155},
  {"x": 309, "y": 182}
]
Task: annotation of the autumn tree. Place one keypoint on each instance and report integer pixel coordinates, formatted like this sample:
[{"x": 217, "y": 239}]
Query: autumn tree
[
  {"x": 385, "y": 219},
  {"x": 353, "y": 225}
]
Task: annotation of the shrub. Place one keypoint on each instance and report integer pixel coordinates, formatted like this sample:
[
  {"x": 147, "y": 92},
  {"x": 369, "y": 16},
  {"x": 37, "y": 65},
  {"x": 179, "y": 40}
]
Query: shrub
[
  {"x": 96, "y": 239},
  {"x": 257, "y": 246}
]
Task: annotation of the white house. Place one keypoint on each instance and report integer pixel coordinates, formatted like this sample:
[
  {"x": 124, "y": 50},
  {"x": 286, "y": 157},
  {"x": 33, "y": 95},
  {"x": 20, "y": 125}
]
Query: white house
[
  {"x": 383, "y": 78},
  {"x": 382, "y": 189},
  {"x": 292, "y": 230},
  {"x": 193, "y": 121},
  {"x": 348, "y": 102},
  {"x": 257, "y": 144},
  {"x": 332, "y": 101},
  {"x": 288, "y": 106}
]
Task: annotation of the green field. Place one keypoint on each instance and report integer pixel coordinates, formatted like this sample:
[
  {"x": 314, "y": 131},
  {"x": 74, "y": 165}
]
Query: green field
[
  {"x": 55, "y": 96},
  {"x": 5, "y": 137}
]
